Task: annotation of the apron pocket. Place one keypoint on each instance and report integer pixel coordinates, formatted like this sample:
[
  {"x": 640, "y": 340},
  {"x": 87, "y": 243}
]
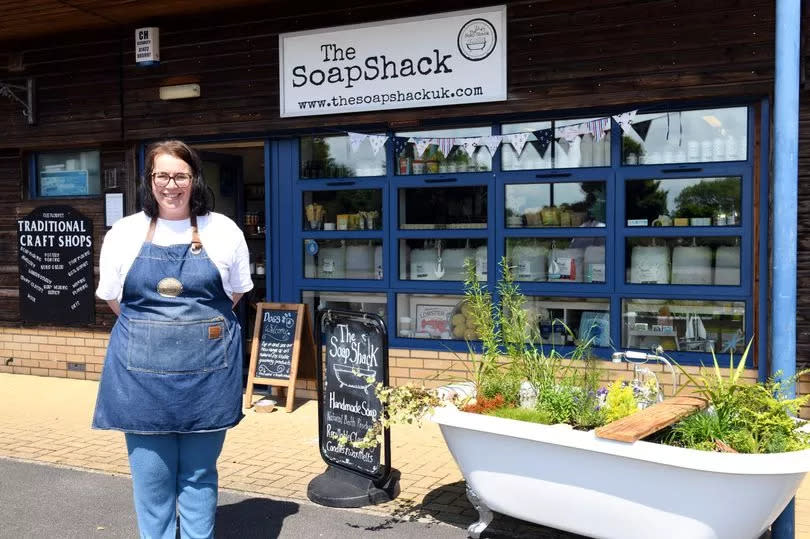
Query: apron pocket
[{"x": 177, "y": 347}]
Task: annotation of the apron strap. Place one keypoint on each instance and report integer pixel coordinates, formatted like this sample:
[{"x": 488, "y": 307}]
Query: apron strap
[
  {"x": 151, "y": 233},
  {"x": 196, "y": 244}
]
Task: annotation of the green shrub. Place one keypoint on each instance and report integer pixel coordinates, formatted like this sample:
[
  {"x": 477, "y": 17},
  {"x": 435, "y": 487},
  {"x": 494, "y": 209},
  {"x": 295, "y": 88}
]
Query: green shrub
[
  {"x": 620, "y": 402},
  {"x": 522, "y": 414}
]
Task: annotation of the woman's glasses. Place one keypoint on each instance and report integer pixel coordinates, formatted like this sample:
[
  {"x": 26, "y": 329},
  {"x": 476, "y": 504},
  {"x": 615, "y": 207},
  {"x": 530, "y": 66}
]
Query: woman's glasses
[{"x": 162, "y": 179}]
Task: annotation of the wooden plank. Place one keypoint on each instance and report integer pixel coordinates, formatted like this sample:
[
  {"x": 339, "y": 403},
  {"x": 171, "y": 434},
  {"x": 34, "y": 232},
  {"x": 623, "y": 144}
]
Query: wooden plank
[{"x": 652, "y": 419}]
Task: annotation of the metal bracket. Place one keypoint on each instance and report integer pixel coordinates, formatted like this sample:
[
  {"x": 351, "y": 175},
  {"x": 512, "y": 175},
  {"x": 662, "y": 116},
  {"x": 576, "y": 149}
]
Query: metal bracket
[{"x": 10, "y": 91}]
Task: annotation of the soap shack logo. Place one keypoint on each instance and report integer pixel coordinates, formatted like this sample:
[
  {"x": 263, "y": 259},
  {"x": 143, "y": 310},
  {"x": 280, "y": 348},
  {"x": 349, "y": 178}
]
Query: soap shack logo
[{"x": 477, "y": 39}]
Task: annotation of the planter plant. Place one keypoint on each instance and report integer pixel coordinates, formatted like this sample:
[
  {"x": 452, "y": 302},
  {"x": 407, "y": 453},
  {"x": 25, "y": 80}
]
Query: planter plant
[{"x": 523, "y": 438}]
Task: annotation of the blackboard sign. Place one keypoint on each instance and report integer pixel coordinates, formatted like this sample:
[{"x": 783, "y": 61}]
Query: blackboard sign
[
  {"x": 276, "y": 344},
  {"x": 55, "y": 245},
  {"x": 355, "y": 360},
  {"x": 282, "y": 336}
]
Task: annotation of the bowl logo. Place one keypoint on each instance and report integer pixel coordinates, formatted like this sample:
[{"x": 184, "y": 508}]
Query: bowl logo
[{"x": 477, "y": 39}]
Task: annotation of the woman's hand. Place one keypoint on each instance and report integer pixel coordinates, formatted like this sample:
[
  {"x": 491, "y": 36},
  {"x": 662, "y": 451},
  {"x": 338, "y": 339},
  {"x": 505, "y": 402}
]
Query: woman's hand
[{"x": 236, "y": 297}]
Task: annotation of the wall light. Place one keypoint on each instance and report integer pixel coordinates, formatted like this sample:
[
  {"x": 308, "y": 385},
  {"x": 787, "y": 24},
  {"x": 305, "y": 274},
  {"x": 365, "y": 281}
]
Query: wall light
[{"x": 179, "y": 91}]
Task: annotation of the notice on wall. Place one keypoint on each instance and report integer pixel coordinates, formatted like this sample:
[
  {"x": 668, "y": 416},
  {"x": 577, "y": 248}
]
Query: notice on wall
[
  {"x": 355, "y": 361},
  {"x": 435, "y": 60},
  {"x": 55, "y": 245}
]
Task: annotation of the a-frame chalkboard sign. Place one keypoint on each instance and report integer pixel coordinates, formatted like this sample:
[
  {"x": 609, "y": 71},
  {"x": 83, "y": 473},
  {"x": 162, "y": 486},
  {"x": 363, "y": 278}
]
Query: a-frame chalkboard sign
[{"x": 282, "y": 337}]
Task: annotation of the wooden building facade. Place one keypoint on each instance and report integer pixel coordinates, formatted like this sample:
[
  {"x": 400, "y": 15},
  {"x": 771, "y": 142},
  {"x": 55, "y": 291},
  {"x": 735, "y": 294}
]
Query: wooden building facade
[{"x": 572, "y": 60}]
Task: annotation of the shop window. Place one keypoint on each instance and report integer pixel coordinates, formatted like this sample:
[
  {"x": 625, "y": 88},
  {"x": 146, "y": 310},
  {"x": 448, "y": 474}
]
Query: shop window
[
  {"x": 689, "y": 136},
  {"x": 434, "y": 316},
  {"x": 343, "y": 259},
  {"x": 439, "y": 152},
  {"x": 559, "y": 144},
  {"x": 347, "y": 209},
  {"x": 339, "y": 157},
  {"x": 441, "y": 259},
  {"x": 535, "y": 205},
  {"x": 68, "y": 174},
  {"x": 563, "y": 321},
  {"x": 684, "y": 202},
  {"x": 684, "y": 325},
  {"x": 557, "y": 260},
  {"x": 319, "y": 300},
  {"x": 701, "y": 260},
  {"x": 425, "y": 208}
]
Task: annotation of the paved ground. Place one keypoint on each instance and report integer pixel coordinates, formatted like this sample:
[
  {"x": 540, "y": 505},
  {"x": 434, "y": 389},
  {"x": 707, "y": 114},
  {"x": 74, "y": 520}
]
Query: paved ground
[{"x": 268, "y": 460}]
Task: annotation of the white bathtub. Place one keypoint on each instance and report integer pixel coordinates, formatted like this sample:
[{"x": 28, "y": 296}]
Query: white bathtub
[{"x": 572, "y": 480}]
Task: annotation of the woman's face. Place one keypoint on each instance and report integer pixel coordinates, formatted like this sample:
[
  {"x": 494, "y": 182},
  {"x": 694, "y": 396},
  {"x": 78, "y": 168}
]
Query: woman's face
[{"x": 172, "y": 199}]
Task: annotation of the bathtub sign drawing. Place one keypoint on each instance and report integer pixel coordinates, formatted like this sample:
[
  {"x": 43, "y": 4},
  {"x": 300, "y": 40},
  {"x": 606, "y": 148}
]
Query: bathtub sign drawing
[
  {"x": 353, "y": 359},
  {"x": 282, "y": 336},
  {"x": 55, "y": 257}
]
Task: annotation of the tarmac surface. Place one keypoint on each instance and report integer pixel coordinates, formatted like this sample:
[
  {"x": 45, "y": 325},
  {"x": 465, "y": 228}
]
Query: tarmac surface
[{"x": 265, "y": 467}]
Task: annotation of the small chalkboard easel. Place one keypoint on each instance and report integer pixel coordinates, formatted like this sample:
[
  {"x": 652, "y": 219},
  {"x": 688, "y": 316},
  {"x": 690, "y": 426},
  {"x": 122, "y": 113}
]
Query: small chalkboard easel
[{"x": 282, "y": 337}]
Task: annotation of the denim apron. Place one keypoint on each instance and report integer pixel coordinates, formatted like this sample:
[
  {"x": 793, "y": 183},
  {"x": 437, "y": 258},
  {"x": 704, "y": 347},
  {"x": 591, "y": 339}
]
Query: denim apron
[{"x": 174, "y": 362}]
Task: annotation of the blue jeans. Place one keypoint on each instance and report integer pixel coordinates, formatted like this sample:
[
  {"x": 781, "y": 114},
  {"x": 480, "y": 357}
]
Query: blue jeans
[{"x": 171, "y": 474}]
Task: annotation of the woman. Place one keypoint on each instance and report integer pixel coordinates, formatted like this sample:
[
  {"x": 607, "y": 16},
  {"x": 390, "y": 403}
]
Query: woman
[{"x": 172, "y": 378}]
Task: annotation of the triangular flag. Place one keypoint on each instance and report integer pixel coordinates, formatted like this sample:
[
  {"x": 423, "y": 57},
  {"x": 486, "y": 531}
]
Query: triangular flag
[
  {"x": 517, "y": 140},
  {"x": 421, "y": 145},
  {"x": 377, "y": 142},
  {"x": 468, "y": 144},
  {"x": 399, "y": 144},
  {"x": 569, "y": 132},
  {"x": 445, "y": 146},
  {"x": 544, "y": 139},
  {"x": 625, "y": 119},
  {"x": 642, "y": 128},
  {"x": 492, "y": 143},
  {"x": 355, "y": 140}
]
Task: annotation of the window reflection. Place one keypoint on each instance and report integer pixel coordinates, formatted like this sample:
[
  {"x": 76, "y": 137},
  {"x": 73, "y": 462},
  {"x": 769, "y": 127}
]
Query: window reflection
[
  {"x": 697, "y": 260},
  {"x": 688, "y": 136},
  {"x": 684, "y": 325},
  {"x": 684, "y": 202},
  {"x": 555, "y": 204},
  {"x": 333, "y": 157},
  {"x": 561, "y": 321}
]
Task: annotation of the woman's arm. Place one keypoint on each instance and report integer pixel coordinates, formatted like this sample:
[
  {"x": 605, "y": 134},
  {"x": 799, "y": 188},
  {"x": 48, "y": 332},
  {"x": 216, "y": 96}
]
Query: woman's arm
[
  {"x": 236, "y": 297},
  {"x": 115, "y": 306}
]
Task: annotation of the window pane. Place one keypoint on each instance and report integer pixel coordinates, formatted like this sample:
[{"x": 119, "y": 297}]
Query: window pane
[
  {"x": 555, "y": 204},
  {"x": 343, "y": 259},
  {"x": 366, "y": 302},
  {"x": 333, "y": 157},
  {"x": 442, "y": 155},
  {"x": 351, "y": 209},
  {"x": 687, "y": 136},
  {"x": 684, "y": 202},
  {"x": 586, "y": 318},
  {"x": 559, "y": 260},
  {"x": 582, "y": 142},
  {"x": 432, "y": 316},
  {"x": 434, "y": 260},
  {"x": 689, "y": 260},
  {"x": 443, "y": 207},
  {"x": 685, "y": 325},
  {"x": 68, "y": 174}
]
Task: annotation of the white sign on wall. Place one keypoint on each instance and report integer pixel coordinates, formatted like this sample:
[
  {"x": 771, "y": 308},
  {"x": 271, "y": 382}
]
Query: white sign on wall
[
  {"x": 435, "y": 60},
  {"x": 147, "y": 45}
]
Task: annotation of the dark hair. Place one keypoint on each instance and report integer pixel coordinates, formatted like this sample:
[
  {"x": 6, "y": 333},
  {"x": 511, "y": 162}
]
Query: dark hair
[{"x": 198, "y": 202}]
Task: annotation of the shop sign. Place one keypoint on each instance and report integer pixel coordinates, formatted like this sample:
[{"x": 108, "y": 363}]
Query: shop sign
[
  {"x": 444, "y": 59},
  {"x": 55, "y": 245}
]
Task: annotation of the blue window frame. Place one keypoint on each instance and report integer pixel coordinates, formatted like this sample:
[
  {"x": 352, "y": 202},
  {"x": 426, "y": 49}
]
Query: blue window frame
[{"x": 615, "y": 287}]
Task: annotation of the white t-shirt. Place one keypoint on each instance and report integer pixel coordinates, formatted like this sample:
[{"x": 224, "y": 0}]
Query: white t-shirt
[{"x": 221, "y": 238}]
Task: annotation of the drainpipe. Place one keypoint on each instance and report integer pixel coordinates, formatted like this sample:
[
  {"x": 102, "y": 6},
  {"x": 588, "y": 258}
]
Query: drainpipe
[{"x": 785, "y": 168}]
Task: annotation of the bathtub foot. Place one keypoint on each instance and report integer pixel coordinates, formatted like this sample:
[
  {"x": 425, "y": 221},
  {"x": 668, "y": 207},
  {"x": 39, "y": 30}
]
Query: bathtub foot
[{"x": 485, "y": 515}]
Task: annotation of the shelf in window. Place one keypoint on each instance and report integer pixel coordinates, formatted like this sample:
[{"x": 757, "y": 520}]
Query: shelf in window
[{"x": 451, "y": 226}]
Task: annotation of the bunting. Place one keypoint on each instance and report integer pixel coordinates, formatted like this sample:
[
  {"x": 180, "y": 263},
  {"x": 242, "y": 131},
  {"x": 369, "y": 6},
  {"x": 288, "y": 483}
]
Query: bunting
[
  {"x": 400, "y": 143},
  {"x": 445, "y": 146},
  {"x": 421, "y": 144},
  {"x": 355, "y": 140},
  {"x": 492, "y": 143},
  {"x": 625, "y": 119},
  {"x": 468, "y": 144},
  {"x": 517, "y": 140},
  {"x": 642, "y": 128},
  {"x": 544, "y": 139}
]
